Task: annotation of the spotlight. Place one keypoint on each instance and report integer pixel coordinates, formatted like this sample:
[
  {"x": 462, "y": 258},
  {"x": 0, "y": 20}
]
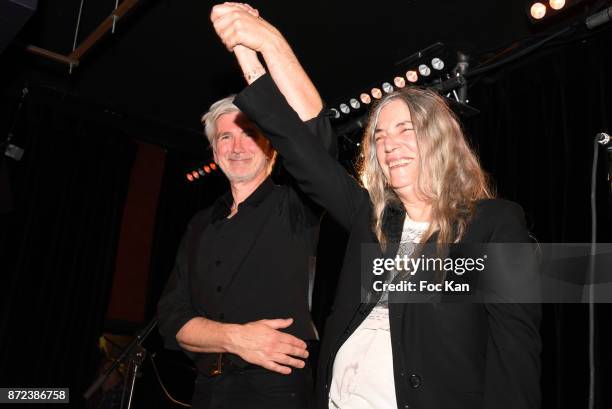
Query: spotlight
[
  {"x": 365, "y": 98},
  {"x": 399, "y": 82},
  {"x": 354, "y": 103},
  {"x": 412, "y": 76},
  {"x": 556, "y": 4},
  {"x": 334, "y": 113},
  {"x": 345, "y": 109},
  {"x": 201, "y": 172},
  {"x": 206, "y": 169},
  {"x": 437, "y": 63},
  {"x": 538, "y": 10},
  {"x": 213, "y": 166},
  {"x": 424, "y": 70},
  {"x": 189, "y": 177},
  {"x": 388, "y": 88},
  {"x": 195, "y": 174},
  {"x": 376, "y": 93}
]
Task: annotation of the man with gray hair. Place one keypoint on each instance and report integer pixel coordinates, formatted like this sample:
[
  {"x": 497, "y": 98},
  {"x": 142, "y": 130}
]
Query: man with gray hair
[
  {"x": 222, "y": 118},
  {"x": 237, "y": 300}
]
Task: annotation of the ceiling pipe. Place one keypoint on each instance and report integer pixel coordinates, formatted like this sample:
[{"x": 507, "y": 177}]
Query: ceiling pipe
[{"x": 73, "y": 59}]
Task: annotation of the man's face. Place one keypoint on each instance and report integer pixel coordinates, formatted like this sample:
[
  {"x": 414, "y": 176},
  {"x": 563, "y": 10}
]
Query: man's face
[{"x": 241, "y": 151}]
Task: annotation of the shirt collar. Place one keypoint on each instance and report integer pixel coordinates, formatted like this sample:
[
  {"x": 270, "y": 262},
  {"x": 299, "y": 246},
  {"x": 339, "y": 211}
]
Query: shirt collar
[{"x": 224, "y": 203}]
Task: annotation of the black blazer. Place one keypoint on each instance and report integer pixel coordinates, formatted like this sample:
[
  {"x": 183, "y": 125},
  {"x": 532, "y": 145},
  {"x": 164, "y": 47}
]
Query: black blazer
[{"x": 445, "y": 356}]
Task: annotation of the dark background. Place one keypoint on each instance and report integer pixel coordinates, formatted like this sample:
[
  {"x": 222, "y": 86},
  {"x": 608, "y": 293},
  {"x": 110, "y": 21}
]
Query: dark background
[{"x": 108, "y": 146}]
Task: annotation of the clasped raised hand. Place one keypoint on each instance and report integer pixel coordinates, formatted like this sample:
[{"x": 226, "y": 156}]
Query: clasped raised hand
[{"x": 240, "y": 24}]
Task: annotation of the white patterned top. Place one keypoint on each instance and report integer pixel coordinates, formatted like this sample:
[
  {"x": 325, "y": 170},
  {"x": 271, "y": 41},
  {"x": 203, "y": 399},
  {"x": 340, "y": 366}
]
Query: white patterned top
[{"x": 363, "y": 368}]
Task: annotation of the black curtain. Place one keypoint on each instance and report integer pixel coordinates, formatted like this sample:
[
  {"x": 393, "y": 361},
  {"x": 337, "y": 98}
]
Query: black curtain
[
  {"x": 535, "y": 136},
  {"x": 58, "y": 244},
  {"x": 536, "y": 130}
]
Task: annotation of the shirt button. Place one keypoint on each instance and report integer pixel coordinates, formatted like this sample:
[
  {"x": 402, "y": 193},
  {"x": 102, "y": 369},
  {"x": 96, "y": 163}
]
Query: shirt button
[
  {"x": 415, "y": 381},
  {"x": 406, "y": 406},
  {"x": 402, "y": 374},
  {"x": 219, "y": 288}
]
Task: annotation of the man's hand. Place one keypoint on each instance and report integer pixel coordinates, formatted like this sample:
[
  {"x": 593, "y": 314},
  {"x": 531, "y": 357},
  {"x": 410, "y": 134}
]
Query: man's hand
[
  {"x": 240, "y": 24},
  {"x": 261, "y": 343}
]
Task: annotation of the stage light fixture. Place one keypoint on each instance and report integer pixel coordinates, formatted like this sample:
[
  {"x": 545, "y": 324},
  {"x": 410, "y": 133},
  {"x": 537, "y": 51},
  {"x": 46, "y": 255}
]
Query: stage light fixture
[
  {"x": 437, "y": 63},
  {"x": 424, "y": 70},
  {"x": 388, "y": 88},
  {"x": 538, "y": 11},
  {"x": 412, "y": 76},
  {"x": 334, "y": 113},
  {"x": 433, "y": 67},
  {"x": 556, "y": 4},
  {"x": 201, "y": 171},
  {"x": 365, "y": 98}
]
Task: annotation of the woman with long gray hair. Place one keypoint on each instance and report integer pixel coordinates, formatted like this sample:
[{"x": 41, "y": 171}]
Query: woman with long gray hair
[{"x": 421, "y": 184}]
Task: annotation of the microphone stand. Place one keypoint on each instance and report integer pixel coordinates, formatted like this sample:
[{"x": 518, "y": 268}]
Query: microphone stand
[
  {"x": 135, "y": 354},
  {"x": 602, "y": 139}
]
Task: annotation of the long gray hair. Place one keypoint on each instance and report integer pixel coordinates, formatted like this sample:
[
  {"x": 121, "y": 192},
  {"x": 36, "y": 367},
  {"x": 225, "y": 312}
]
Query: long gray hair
[{"x": 450, "y": 177}]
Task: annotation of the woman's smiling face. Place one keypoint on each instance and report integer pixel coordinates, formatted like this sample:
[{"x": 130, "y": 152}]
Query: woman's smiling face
[{"x": 396, "y": 146}]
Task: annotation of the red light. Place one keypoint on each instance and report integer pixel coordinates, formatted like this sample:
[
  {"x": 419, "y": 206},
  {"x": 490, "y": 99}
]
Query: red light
[
  {"x": 206, "y": 169},
  {"x": 213, "y": 166},
  {"x": 189, "y": 177}
]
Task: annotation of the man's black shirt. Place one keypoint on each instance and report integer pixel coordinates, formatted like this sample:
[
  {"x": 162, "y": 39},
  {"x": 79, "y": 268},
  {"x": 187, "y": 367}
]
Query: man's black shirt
[{"x": 251, "y": 266}]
